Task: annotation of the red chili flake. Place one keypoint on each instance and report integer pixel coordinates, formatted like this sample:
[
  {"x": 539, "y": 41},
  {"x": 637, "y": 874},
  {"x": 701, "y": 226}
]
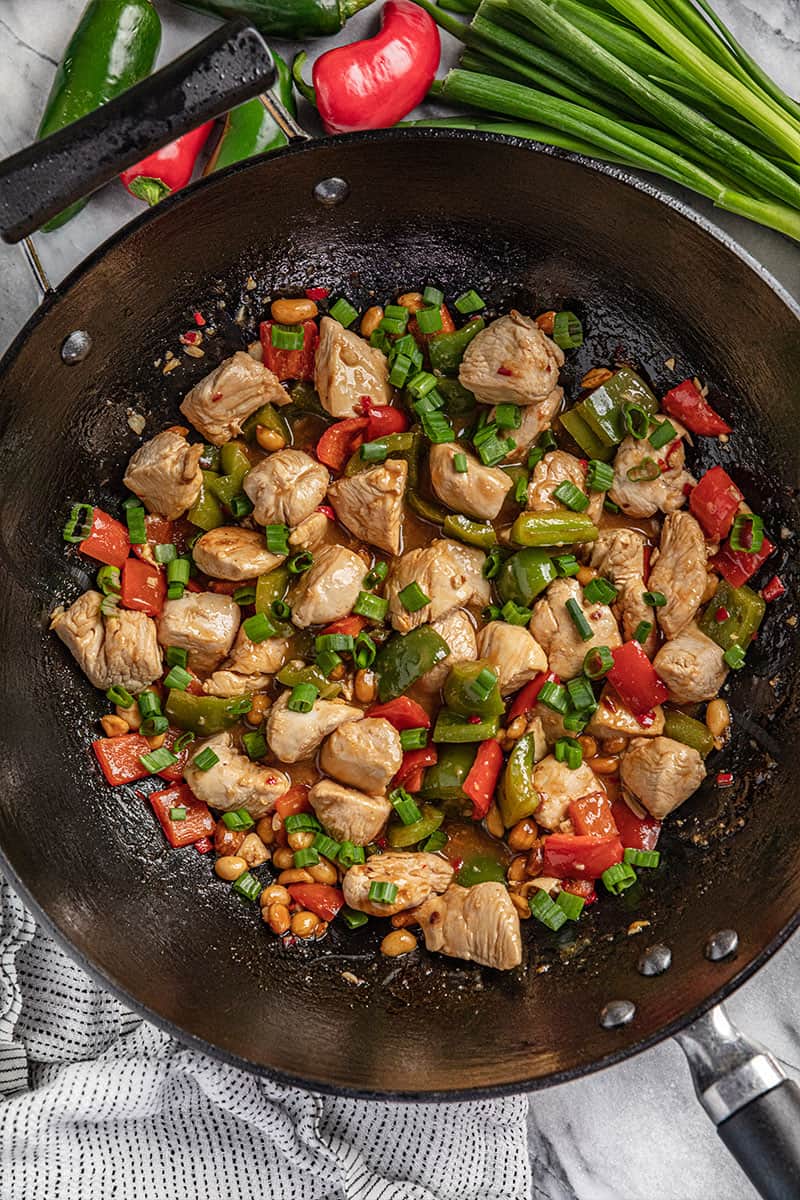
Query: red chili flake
[
  {"x": 724, "y": 779},
  {"x": 687, "y": 489},
  {"x": 474, "y": 719},
  {"x": 456, "y": 863},
  {"x": 199, "y": 319},
  {"x": 203, "y": 846},
  {"x": 721, "y": 615},
  {"x": 382, "y": 842},
  {"x": 646, "y": 719},
  {"x": 327, "y": 510},
  {"x": 215, "y": 399},
  {"x": 584, "y": 463},
  {"x": 190, "y": 338},
  {"x": 773, "y": 589},
  {"x": 504, "y": 371},
  {"x": 365, "y": 405},
  {"x": 317, "y": 293}
]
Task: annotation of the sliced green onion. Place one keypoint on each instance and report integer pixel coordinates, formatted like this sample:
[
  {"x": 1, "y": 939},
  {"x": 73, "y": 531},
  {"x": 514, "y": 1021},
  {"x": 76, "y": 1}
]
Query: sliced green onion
[
  {"x": 546, "y": 910},
  {"x": 554, "y": 696},
  {"x": 521, "y": 488},
  {"x": 571, "y": 496},
  {"x": 245, "y": 595},
  {"x": 178, "y": 677},
  {"x": 328, "y": 661},
  {"x": 579, "y": 620},
  {"x": 255, "y": 745},
  {"x": 376, "y": 575},
  {"x": 379, "y": 340},
  {"x": 460, "y": 463},
  {"x": 599, "y": 475},
  {"x": 597, "y": 662},
  {"x": 567, "y": 330},
  {"x": 637, "y": 421},
  {"x": 382, "y": 892},
  {"x": 354, "y": 919},
  {"x": 326, "y": 846},
  {"x": 481, "y": 686},
  {"x": 566, "y": 565},
  {"x": 287, "y": 337},
  {"x": 580, "y": 694},
  {"x": 177, "y": 814},
  {"x": 303, "y": 698},
  {"x": 182, "y": 742},
  {"x": 258, "y": 627},
  {"x": 571, "y": 904},
  {"x": 654, "y": 599},
  {"x": 350, "y": 854},
  {"x": 421, "y": 384},
  {"x": 247, "y": 886},
  {"x": 642, "y": 858},
  {"x": 469, "y": 302},
  {"x": 664, "y": 432},
  {"x": 576, "y": 722},
  {"x": 341, "y": 642},
  {"x": 177, "y": 577},
  {"x": 734, "y": 657},
  {"x": 299, "y": 822},
  {"x": 492, "y": 612},
  {"x": 238, "y": 819},
  {"x": 508, "y": 416},
  {"x": 206, "y": 759},
  {"x": 397, "y": 312},
  {"x": 342, "y": 311},
  {"x": 109, "y": 580},
  {"x": 364, "y": 651},
  {"x": 405, "y": 806},
  {"x": 239, "y": 707},
  {"x": 642, "y": 632},
  {"x": 79, "y": 523},
  {"x": 306, "y": 858},
  {"x": 240, "y": 505},
  {"x": 492, "y": 563},
  {"x": 437, "y": 428},
  {"x": 149, "y": 704},
  {"x": 301, "y": 562},
  {"x": 136, "y": 526},
  {"x": 568, "y": 751},
  {"x": 158, "y": 760},
  {"x": 412, "y": 597},
  {"x": 177, "y": 656},
  {"x": 391, "y": 325},
  {"x": 369, "y": 605},
  {"x": 109, "y": 605},
  {"x": 645, "y": 471},
  {"x": 433, "y": 297},
  {"x": 399, "y": 373},
  {"x": 547, "y": 441},
  {"x": 535, "y": 456},
  {"x": 610, "y": 506},
  {"x": 280, "y": 610},
  {"x": 277, "y": 539},
  {"x": 618, "y": 878},
  {"x": 747, "y": 533},
  {"x": 600, "y": 591},
  {"x": 437, "y": 841},
  {"x": 493, "y": 449},
  {"x": 429, "y": 320},
  {"x": 414, "y": 739},
  {"x": 117, "y": 694},
  {"x": 515, "y": 614}
]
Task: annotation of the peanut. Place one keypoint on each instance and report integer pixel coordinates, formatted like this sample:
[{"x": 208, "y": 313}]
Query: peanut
[
  {"x": 605, "y": 764},
  {"x": 494, "y": 822},
  {"x": 269, "y": 439},
  {"x": 413, "y": 301},
  {"x": 292, "y": 312},
  {"x": 283, "y": 858},
  {"x": 230, "y": 867},
  {"x": 371, "y": 320},
  {"x": 521, "y": 905},
  {"x": 265, "y": 830},
  {"x": 546, "y": 322},
  {"x": 365, "y": 686},
  {"x": 273, "y": 893},
  {"x": 277, "y": 917},
  {"x": 304, "y": 923},
  {"x": 301, "y": 839},
  {"x": 516, "y": 871},
  {"x": 614, "y": 745},
  {"x": 323, "y": 872},
  {"x": 718, "y": 718},
  {"x": 516, "y": 728},
  {"x": 114, "y": 726},
  {"x": 398, "y": 942},
  {"x": 258, "y": 710},
  {"x": 523, "y": 835},
  {"x": 294, "y": 875},
  {"x": 588, "y": 745}
]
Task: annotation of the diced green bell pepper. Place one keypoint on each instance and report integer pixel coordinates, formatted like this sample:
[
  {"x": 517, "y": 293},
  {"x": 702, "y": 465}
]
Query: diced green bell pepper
[
  {"x": 460, "y": 401},
  {"x": 460, "y": 697},
  {"x": 235, "y": 465},
  {"x": 271, "y": 586},
  {"x": 446, "y": 350},
  {"x": 203, "y": 714},
  {"x": 516, "y": 795},
  {"x": 270, "y": 418},
  {"x": 444, "y": 781},
  {"x": 584, "y": 436},
  {"x": 524, "y": 575},
  {"x": 683, "y": 728},
  {"x": 474, "y": 533},
  {"x": 481, "y": 868},
  {"x": 396, "y": 444},
  {"x": 745, "y": 609},
  {"x": 603, "y": 410},
  {"x": 292, "y": 674},
  {"x": 305, "y": 398},
  {"x": 206, "y": 511},
  {"x": 453, "y": 727},
  {"x": 402, "y": 836},
  {"x": 557, "y": 528},
  {"x": 407, "y": 657}
]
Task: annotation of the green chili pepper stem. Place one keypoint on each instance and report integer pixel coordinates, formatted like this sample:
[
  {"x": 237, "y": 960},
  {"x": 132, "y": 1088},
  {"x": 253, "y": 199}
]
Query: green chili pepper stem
[{"x": 306, "y": 90}]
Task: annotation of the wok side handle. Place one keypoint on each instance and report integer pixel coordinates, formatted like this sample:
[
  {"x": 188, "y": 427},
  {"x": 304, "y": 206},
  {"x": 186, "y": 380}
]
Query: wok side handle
[
  {"x": 230, "y": 66},
  {"x": 755, "y": 1108}
]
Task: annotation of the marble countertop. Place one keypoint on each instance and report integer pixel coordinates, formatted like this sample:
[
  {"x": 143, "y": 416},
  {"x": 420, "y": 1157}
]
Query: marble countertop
[{"x": 633, "y": 1132}]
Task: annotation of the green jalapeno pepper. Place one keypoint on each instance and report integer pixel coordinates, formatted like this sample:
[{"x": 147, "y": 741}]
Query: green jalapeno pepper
[
  {"x": 295, "y": 19},
  {"x": 557, "y": 528},
  {"x": 446, "y": 350},
  {"x": 454, "y": 727},
  {"x": 733, "y": 615},
  {"x": 206, "y": 512},
  {"x": 464, "y": 695},
  {"x": 474, "y": 533},
  {"x": 204, "y": 714},
  {"x": 516, "y": 795},
  {"x": 445, "y": 779},
  {"x": 524, "y": 575},
  {"x": 603, "y": 410},
  {"x": 683, "y": 728},
  {"x": 250, "y": 129},
  {"x": 400, "y": 837},
  {"x": 406, "y": 658}
]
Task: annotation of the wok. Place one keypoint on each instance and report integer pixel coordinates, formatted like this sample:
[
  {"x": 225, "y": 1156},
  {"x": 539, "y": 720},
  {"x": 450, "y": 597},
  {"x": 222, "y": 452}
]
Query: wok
[{"x": 368, "y": 215}]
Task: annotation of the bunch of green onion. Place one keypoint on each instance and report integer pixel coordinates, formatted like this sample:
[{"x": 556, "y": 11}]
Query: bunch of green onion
[{"x": 658, "y": 85}]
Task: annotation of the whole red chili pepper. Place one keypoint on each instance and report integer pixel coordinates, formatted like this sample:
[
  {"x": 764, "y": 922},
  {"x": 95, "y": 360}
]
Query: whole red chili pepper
[
  {"x": 375, "y": 83},
  {"x": 169, "y": 169}
]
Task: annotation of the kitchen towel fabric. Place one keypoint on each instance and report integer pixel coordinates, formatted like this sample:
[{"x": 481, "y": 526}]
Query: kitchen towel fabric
[{"x": 96, "y": 1102}]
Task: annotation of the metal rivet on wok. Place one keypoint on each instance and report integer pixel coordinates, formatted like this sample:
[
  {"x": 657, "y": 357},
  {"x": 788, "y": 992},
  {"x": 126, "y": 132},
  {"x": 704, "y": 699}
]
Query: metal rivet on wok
[
  {"x": 76, "y": 347},
  {"x": 655, "y": 960},
  {"x": 617, "y": 1013},
  {"x": 331, "y": 192},
  {"x": 722, "y": 944}
]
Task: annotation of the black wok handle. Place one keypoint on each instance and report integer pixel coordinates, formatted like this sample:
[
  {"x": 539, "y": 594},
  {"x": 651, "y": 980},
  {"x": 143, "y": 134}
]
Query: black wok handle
[
  {"x": 755, "y": 1107},
  {"x": 230, "y": 66},
  {"x": 764, "y": 1138}
]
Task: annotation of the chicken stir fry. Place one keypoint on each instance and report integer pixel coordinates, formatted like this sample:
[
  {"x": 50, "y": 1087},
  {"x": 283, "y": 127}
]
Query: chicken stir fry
[{"x": 402, "y": 635}]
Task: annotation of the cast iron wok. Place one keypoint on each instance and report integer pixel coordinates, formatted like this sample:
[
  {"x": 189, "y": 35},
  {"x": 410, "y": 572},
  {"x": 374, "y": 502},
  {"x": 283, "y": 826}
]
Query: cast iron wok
[{"x": 527, "y": 228}]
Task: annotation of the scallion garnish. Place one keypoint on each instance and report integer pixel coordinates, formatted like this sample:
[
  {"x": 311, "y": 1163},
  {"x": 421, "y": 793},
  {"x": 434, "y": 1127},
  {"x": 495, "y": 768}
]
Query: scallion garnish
[
  {"x": 306, "y": 858},
  {"x": 460, "y": 463},
  {"x": 429, "y": 319},
  {"x": 482, "y": 685},
  {"x": 600, "y": 591},
  {"x": 599, "y": 476},
  {"x": 376, "y": 575},
  {"x": 300, "y": 822},
  {"x": 382, "y": 892},
  {"x": 158, "y": 760},
  {"x": 341, "y": 642},
  {"x": 405, "y": 806},
  {"x": 277, "y": 539},
  {"x": 433, "y": 297},
  {"x": 515, "y": 614},
  {"x": 412, "y": 597},
  {"x": 176, "y": 656},
  {"x": 342, "y": 311},
  {"x": 492, "y": 563},
  {"x": 580, "y": 694},
  {"x": 645, "y": 471},
  {"x": 280, "y": 610},
  {"x": 566, "y": 565},
  {"x": 401, "y": 367},
  {"x": 437, "y": 841},
  {"x": 610, "y": 506},
  {"x": 571, "y": 904},
  {"x": 149, "y": 704},
  {"x": 567, "y": 330},
  {"x": 571, "y": 496},
  {"x": 397, "y": 312},
  {"x": 664, "y": 432},
  {"x": 437, "y": 428},
  {"x": 554, "y": 696},
  {"x": 734, "y": 657},
  {"x": 247, "y": 886},
  {"x": 350, "y": 854},
  {"x": 364, "y": 651},
  {"x": 508, "y": 416},
  {"x": 245, "y": 595},
  {"x": 177, "y": 814},
  {"x": 568, "y": 750},
  {"x": 492, "y": 612},
  {"x": 240, "y": 505},
  {"x": 326, "y": 846},
  {"x": 117, "y": 694},
  {"x": 469, "y": 302},
  {"x": 642, "y": 858},
  {"x": 654, "y": 599},
  {"x": 579, "y": 620},
  {"x": 618, "y": 878},
  {"x": 287, "y": 337},
  {"x": 642, "y": 632},
  {"x": 179, "y": 678},
  {"x": 328, "y": 661},
  {"x": 303, "y": 698},
  {"x": 238, "y": 819},
  {"x": 414, "y": 739},
  {"x": 301, "y": 562},
  {"x": 254, "y": 743},
  {"x": 747, "y": 534},
  {"x": 258, "y": 627},
  {"x": 136, "y": 527},
  {"x": 422, "y": 383},
  {"x": 182, "y": 742},
  {"x": 369, "y": 605},
  {"x": 205, "y": 759},
  {"x": 391, "y": 325},
  {"x": 597, "y": 662},
  {"x": 177, "y": 577},
  {"x": 637, "y": 421},
  {"x": 521, "y": 488},
  {"x": 546, "y": 910},
  {"x": 352, "y": 918},
  {"x": 109, "y": 580},
  {"x": 79, "y": 523}
]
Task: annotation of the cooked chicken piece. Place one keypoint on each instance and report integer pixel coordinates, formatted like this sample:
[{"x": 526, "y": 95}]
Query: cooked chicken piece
[
  {"x": 349, "y": 815},
  {"x": 679, "y": 571},
  {"x": 552, "y": 724},
  {"x": 557, "y": 785},
  {"x": 479, "y": 923},
  {"x": 364, "y": 754},
  {"x": 511, "y": 362},
  {"x": 643, "y": 498},
  {"x": 204, "y": 623},
  {"x": 459, "y": 632},
  {"x": 618, "y": 554},
  {"x": 234, "y": 782},
  {"x": 293, "y": 736},
  {"x": 165, "y": 474},
  {"x": 286, "y": 487},
  {"x": 553, "y": 627},
  {"x": 559, "y": 467},
  {"x": 219, "y": 405},
  {"x": 417, "y": 877},
  {"x": 329, "y": 589},
  {"x": 121, "y": 649},
  {"x": 232, "y": 553},
  {"x": 448, "y": 573},
  {"x": 370, "y": 503},
  {"x": 347, "y": 369},
  {"x": 253, "y": 851},
  {"x": 692, "y": 666},
  {"x": 535, "y": 419},
  {"x": 612, "y": 719},
  {"x": 309, "y": 533},
  {"x": 661, "y": 773},
  {"x": 249, "y": 667},
  {"x": 514, "y": 654},
  {"x": 479, "y": 491}
]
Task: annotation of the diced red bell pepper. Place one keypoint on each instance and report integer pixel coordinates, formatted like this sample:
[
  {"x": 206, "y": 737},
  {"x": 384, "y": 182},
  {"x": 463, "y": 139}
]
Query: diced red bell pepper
[
  {"x": 160, "y": 532},
  {"x": 773, "y": 589},
  {"x": 580, "y": 887},
  {"x": 293, "y": 801},
  {"x": 567, "y": 856},
  {"x": 144, "y": 588},
  {"x": 592, "y": 815},
  {"x": 482, "y": 779},
  {"x": 525, "y": 700},
  {"x": 198, "y": 824},
  {"x": 412, "y": 768},
  {"x": 636, "y": 833},
  {"x": 383, "y": 419},
  {"x": 290, "y": 364},
  {"x": 689, "y": 406},
  {"x": 175, "y": 772},
  {"x": 448, "y": 326},
  {"x": 340, "y": 441},
  {"x": 319, "y": 898},
  {"x": 403, "y": 713},
  {"x": 737, "y": 566},
  {"x": 225, "y": 587},
  {"x": 350, "y": 626},
  {"x": 317, "y": 293},
  {"x": 119, "y": 757},
  {"x": 635, "y": 680},
  {"x": 194, "y": 585},
  {"x": 714, "y": 502},
  {"x": 108, "y": 540}
]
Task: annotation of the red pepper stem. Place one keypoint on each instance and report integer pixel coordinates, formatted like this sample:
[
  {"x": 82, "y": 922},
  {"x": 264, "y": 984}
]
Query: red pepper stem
[
  {"x": 305, "y": 89},
  {"x": 149, "y": 190}
]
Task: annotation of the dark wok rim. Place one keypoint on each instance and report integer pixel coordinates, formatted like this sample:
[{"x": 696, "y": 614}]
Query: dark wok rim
[{"x": 729, "y": 245}]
